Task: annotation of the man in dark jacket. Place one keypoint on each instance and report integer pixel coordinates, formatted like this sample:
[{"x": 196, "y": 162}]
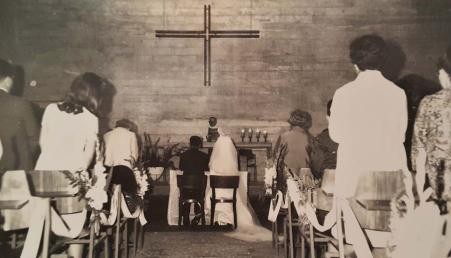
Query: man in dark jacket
[
  {"x": 19, "y": 130},
  {"x": 193, "y": 162},
  {"x": 323, "y": 151}
]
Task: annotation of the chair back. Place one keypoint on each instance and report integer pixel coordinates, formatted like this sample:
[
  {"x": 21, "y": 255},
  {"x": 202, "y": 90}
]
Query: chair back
[
  {"x": 191, "y": 181},
  {"x": 371, "y": 201},
  {"x": 226, "y": 182}
]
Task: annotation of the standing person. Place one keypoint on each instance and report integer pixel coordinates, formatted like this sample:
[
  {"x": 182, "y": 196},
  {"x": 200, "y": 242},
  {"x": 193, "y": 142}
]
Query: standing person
[
  {"x": 19, "y": 129},
  {"x": 431, "y": 147},
  {"x": 121, "y": 151},
  {"x": 69, "y": 137},
  {"x": 193, "y": 162},
  {"x": 368, "y": 118}
]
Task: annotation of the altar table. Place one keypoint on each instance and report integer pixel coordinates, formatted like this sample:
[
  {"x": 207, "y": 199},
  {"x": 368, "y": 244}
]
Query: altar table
[
  {"x": 174, "y": 193},
  {"x": 239, "y": 145}
]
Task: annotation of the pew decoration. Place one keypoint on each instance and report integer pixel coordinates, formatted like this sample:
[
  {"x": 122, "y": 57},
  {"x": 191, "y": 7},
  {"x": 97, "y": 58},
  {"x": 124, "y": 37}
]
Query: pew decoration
[
  {"x": 142, "y": 179},
  {"x": 410, "y": 235}
]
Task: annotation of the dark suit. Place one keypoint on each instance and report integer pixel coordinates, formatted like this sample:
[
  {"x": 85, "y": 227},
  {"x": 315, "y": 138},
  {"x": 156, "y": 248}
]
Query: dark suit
[
  {"x": 193, "y": 162},
  {"x": 19, "y": 133}
]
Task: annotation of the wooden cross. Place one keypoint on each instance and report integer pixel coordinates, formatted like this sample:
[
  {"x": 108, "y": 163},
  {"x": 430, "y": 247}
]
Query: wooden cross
[{"x": 207, "y": 34}]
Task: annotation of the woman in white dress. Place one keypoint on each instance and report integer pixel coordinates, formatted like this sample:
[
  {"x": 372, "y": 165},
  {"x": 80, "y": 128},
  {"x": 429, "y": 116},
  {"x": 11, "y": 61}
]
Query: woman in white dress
[
  {"x": 69, "y": 137},
  {"x": 224, "y": 162}
]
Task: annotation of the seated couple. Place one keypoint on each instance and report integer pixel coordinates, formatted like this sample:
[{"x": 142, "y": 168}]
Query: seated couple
[{"x": 223, "y": 162}]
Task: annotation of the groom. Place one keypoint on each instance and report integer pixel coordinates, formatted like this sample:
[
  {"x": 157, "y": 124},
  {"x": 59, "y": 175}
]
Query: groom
[{"x": 193, "y": 162}]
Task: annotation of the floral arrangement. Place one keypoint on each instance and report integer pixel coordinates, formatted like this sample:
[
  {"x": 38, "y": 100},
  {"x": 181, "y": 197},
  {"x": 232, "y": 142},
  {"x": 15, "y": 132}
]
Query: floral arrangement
[
  {"x": 91, "y": 189},
  {"x": 417, "y": 229},
  {"x": 154, "y": 155},
  {"x": 141, "y": 177}
]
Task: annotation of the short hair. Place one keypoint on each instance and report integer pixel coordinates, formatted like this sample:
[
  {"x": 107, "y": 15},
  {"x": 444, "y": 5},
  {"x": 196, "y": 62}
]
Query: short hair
[
  {"x": 300, "y": 118},
  {"x": 195, "y": 141},
  {"x": 444, "y": 62},
  {"x": 6, "y": 69},
  {"x": 368, "y": 52},
  {"x": 125, "y": 123},
  {"x": 86, "y": 91},
  {"x": 329, "y": 105}
]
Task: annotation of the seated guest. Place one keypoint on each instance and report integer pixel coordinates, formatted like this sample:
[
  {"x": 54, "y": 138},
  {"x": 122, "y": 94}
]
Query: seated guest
[
  {"x": 431, "y": 148},
  {"x": 193, "y": 162},
  {"x": 19, "y": 127},
  {"x": 121, "y": 152},
  {"x": 323, "y": 151},
  {"x": 296, "y": 140}
]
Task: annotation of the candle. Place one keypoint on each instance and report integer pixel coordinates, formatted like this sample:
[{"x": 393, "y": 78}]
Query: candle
[
  {"x": 250, "y": 130},
  {"x": 257, "y": 131},
  {"x": 242, "y": 131}
]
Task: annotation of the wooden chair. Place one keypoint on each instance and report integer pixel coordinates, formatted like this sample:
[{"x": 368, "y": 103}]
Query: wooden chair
[
  {"x": 224, "y": 182},
  {"x": 188, "y": 183}
]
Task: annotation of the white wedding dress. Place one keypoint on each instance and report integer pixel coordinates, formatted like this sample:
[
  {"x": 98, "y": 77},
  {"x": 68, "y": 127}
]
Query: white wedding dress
[{"x": 224, "y": 162}]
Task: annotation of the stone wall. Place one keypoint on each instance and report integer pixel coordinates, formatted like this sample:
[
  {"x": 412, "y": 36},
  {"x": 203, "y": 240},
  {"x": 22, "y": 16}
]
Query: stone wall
[{"x": 299, "y": 60}]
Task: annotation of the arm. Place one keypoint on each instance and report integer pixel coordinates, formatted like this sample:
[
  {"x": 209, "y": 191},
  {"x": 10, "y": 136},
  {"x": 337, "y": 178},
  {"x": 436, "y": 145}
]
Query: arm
[
  {"x": 90, "y": 142},
  {"x": 31, "y": 127},
  {"x": 403, "y": 117},
  {"x": 419, "y": 139},
  {"x": 337, "y": 119},
  {"x": 134, "y": 147}
]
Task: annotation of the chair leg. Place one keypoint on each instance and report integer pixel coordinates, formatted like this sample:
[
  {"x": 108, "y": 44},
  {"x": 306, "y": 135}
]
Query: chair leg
[
  {"x": 180, "y": 213},
  {"x": 135, "y": 236},
  {"x": 106, "y": 250},
  {"x": 235, "y": 219},
  {"x": 91, "y": 242},
  {"x": 285, "y": 236},
  {"x": 212, "y": 215},
  {"x": 202, "y": 210},
  {"x": 290, "y": 229},
  {"x": 312, "y": 241},
  {"x": 301, "y": 231},
  {"x": 141, "y": 236},
  {"x": 126, "y": 238}
]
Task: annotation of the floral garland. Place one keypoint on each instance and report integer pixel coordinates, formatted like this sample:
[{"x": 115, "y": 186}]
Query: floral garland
[
  {"x": 91, "y": 189},
  {"x": 142, "y": 179}
]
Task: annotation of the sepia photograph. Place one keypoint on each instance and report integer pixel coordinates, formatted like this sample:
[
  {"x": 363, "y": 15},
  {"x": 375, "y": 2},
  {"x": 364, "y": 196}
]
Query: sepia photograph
[{"x": 225, "y": 128}]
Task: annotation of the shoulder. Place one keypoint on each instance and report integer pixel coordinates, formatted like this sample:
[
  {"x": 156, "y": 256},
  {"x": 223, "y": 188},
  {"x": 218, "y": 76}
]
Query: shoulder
[{"x": 343, "y": 90}]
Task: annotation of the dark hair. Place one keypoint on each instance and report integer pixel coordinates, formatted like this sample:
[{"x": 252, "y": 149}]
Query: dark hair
[
  {"x": 6, "y": 69},
  {"x": 86, "y": 91},
  {"x": 125, "y": 123},
  {"x": 195, "y": 141},
  {"x": 368, "y": 52},
  {"x": 444, "y": 62},
  {"x": 300, "y": 118},
  {"x": 329, "y": 105}
]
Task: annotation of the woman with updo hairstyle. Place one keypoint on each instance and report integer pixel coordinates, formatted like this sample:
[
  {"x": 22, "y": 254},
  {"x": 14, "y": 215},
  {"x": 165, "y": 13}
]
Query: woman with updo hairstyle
[
  {"x": 68, "y": 140},
  {"x": 431, "y": 143},
  {"x": 296, "y": 140}
]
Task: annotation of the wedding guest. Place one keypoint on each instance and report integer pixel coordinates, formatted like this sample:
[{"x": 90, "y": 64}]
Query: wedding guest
[
  {"x": 121, "y": 153},
  {"x": 323, "y": 151},
  {"x": 368, "y": 118},
  {"x": 193, "y": 162},
  {"x": 69, "y": 137},
  {"x": 431, "y": 147},
  {"x": 296, "y": 140},
  {"x": 19, "y": 129}
]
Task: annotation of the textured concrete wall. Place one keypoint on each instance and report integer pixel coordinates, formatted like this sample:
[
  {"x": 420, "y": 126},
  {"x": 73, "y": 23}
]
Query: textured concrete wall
[{"x": 299, "y": 60}]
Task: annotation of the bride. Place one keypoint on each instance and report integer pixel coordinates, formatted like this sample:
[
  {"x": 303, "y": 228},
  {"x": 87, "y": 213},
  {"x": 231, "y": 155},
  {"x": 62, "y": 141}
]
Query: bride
[{"x": 224, "y": 162}]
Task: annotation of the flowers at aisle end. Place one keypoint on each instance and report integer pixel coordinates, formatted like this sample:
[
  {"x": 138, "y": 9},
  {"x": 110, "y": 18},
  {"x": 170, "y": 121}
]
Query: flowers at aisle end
[{"x": 142, "y": 180}]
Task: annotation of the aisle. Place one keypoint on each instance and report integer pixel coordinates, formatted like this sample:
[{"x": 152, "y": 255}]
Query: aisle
[{"x": 201, "y": 244}]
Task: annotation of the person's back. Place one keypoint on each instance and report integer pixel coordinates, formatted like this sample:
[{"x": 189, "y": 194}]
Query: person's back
[
  {"x": 296, "y": 141},
  {"x": 19, "y": 129},
  {"x": 194, "y": 162},
  {"x": 64, "y": 135},
  {"x": 121, "y": 146}
]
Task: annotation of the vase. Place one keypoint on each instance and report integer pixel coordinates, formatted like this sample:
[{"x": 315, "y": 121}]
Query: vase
[{"x": 156, "y": 172}]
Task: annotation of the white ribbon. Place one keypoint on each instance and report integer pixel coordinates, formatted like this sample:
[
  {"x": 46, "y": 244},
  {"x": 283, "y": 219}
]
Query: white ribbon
[
  {"x": 275, "y": 208},
  {"x": 66, "y": 225}
]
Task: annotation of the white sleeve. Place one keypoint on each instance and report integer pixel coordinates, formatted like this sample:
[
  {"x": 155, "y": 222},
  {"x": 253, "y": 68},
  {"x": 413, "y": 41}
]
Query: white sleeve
[
  {"x": 337, "y": 119},
  {"x": 134, "y": 147},
  {"x": 45, "y": 127}
]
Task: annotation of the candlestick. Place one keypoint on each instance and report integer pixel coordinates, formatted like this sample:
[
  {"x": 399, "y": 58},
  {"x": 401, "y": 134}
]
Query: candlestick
[
  {"x": 250, "y": 134},
  {"x": 257, "y": 134},
  {"x": 265, "y": 135},
  {"x": 242, "y": 134}
]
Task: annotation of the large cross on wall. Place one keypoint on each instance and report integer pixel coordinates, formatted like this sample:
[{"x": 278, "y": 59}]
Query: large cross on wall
[{"x": 207, "y": 34}]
